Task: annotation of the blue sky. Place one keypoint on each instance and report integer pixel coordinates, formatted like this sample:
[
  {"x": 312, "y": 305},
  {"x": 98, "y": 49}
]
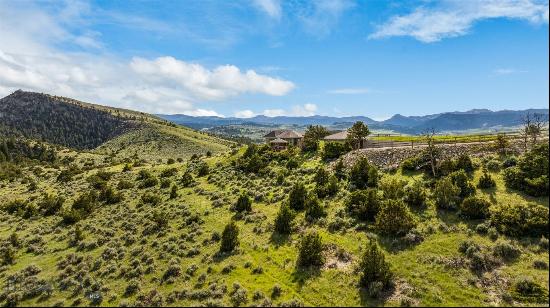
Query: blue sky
[{"x": 373, "y": 58}]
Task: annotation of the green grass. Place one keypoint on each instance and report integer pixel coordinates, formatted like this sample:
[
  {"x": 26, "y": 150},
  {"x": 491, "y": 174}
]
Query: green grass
[{"x": 429, "y": 282}]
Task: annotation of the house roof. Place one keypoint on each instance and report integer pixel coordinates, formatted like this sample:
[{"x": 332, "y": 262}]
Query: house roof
[
  {"x": 289, "y": 134},
  {"x": 284, "y": 134},
  {"x": 337, "y": 136},
  {"x": 278, "y": 140}
]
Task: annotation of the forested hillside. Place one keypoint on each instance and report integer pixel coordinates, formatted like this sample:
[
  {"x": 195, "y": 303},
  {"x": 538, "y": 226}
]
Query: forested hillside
[{"x": 56, "y": 120}]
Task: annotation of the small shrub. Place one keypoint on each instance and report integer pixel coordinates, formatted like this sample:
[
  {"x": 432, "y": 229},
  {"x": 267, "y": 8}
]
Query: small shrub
[
  {"x": 475, "y": 207},
  {"x": 520, "y": 219},
  {"x": 51, "y": 204},
  {"x": 363, "y": 204},
  {"x": 297, "y": 197},
  {"x": 493, "y": 165},
  {"x": 460, "y": 179},
  {"x": 414, "y": 194},
  {"x": 230, "y": 237},
  {"x": 392, "y": 187},
  {"x": 410, "y": 164},
  {"x": 486, "y": 181},
  {"x": 314, "y": 208},
  {"x": 374, "y": 268},
  {"x": 363, "y": 174},
  {"x": 506, "y": 250},
  {"x": 243, "y": 204},
  {"x": 310, "y": 250},
  {"x": 528, "y": 291},
  {"x": 394, "y": 218},
  {"x": 464, "y": 162},
  {"x": 203, "y": 170},
  {"x": 334, "y": 150},
  {"x": 446, "y": 194},
  {"x": 283, "y": 221}
]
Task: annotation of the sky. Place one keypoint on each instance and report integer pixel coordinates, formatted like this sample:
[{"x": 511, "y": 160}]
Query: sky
[{"x": 274, "y": 57}]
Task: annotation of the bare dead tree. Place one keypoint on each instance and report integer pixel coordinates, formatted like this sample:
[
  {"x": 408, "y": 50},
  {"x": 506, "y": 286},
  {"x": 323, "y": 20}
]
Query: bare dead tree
[
  {"x": 429, "y": 135},
  {"x": 533, "y": 123}
]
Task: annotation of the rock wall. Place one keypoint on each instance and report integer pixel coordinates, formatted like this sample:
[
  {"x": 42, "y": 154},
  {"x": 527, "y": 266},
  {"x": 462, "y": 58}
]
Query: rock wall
[{"x": 389, "y": 158}]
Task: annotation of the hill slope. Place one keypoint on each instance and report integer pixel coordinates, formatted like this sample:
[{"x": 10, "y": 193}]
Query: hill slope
[
  {"x": 85, "y": 126},
  {"x": 59, "y": 120}
]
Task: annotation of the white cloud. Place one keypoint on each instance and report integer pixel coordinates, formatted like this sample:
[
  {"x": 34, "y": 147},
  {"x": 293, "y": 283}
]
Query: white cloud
[
  {"x": 455, "y": 18},
  {"x": 220, "y": 83},
  {"x": 270, "y": 7},
  {"x": 319, "y": 17},
  {"x": 507, "y": 71},
  {"x": 244, "y": 114},
  {"x": 350, "y": 91},
  {"x": 274, "y": 112},
  {"x": 31, "y": 60},
  {"x": 305, "y": 110}
]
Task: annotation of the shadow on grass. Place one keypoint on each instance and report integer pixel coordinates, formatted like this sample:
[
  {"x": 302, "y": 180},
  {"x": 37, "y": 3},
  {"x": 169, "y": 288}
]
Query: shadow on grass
[
  {"x": 369, "y": 301},
  {"x": 279, "y": 239},
  {"x": 302, "y": 274},
  {"x": 219, "y": 256}
]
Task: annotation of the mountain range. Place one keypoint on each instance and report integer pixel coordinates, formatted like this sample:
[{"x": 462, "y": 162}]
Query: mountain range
[{"x": 475, "y": 119}]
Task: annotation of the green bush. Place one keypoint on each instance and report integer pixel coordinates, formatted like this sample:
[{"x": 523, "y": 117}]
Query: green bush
[
  {"x": 292, "y": 163},
  {"x": 410, "y": 164},
  {"x": 460, "y": 179},
  {"x": 174, "y": 192},
  {"x": 414, "y": 194},
  {"x": 374, "y": 268},
  {"x": 148, "y": 182},
  {"x": 392, "y": 187},
  {"x": 330, "y": 188},
  {"x": 486, "y": 181},
  {"x": 123, "y": 184},
  {"x": 150, "y": 198},
  {"x": 537, "y": 187},
  {"x": 340, "y": 169},
  {"x": 493, "y": 165},
  {"x": 187, "y": 179},
  {"x": 363, "y": 174},
  {"x": 230, "y": 237},
  {"x": 526, "y": 290},
  {"x": 446, "y": 194},
  {"x": 506, "y": 251},
  {"x": 243, "y": 204},
  {"x": 394, "y": 218},
  {"x": 283, "y": 221},
  {"x": 297, "y": 196},
  {"x": 168, "y": 172},
  {"x": 464, "y": 162},
  {"x": 531, "y": 173},
  {"x": 475, "y": 207},
  {"x": 203, "y": 170},
  {"x": 363, "y": 204},
  {"x": 51, "y": 204},
  {"x": 334, "y": 150},
  {"x": 520, "y": 219},
  {"x": 310, "y": 250},
  {"x": 314, "y": 208},
  {"x": 109, "y": 195},
  {"x": 321, "y": 176}
]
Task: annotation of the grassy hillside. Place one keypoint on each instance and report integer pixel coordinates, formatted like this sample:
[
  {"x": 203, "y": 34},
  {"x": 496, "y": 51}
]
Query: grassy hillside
[
  {"x": 155, "y": 239},
  {"x": 84, "y": 126},
  {"x": 156, "y": 141}
]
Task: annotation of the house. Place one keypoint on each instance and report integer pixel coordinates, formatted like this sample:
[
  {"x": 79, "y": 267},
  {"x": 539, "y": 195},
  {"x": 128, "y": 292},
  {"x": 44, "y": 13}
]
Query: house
[
  {"x": 341, "y": 137},
  {"x": 281, "y": 139}
]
